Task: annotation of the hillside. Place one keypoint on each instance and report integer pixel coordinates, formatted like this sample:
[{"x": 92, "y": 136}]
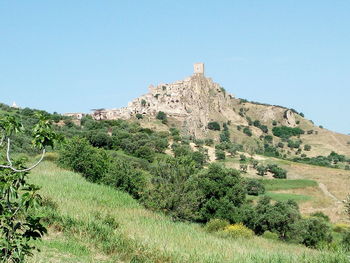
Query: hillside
[
  {"x": 94, "y": 223},
  {"x": 192, "y": 103}
]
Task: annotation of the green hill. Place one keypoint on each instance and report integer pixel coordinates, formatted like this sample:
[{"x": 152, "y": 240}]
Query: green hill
[{"x": 95, "y": 223}]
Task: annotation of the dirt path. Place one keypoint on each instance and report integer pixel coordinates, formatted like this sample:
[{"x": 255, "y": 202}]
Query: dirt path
[{"x": 327, "y": 193}]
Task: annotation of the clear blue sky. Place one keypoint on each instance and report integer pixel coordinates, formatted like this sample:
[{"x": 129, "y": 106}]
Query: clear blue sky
[{"x": 72, "y": 56}]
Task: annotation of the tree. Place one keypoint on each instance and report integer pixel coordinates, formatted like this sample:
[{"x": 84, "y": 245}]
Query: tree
[
  {"x": 255, "y": 187},
  {"x": 220, "y": 154},
  {"x": 223, "y": 190},
  {"x": 19, "y": 224},
  {"x": 162, "y": 116},
  {"x": 261, "y": 169}
]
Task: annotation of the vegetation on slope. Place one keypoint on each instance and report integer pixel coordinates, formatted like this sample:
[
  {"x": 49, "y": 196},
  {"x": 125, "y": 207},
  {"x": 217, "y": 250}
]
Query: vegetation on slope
[{"x": 113, "y": 226}]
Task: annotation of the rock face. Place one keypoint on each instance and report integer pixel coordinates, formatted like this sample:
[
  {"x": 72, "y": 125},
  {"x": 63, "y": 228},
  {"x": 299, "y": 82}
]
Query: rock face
[{"x": 193, "y": 102}]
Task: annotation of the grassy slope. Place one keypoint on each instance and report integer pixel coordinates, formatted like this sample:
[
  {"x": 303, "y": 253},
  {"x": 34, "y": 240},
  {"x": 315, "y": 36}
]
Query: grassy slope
[
  {"x": 332, "y": 185},
  {"x": 152, "y": 235}
]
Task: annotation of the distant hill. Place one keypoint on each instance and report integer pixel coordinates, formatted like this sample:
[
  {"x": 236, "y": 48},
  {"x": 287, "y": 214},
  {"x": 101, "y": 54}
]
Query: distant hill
[{"x": 191, "y": 104}]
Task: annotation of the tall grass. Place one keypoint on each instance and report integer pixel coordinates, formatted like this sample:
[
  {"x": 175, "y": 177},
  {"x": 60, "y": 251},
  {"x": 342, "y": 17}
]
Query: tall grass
[{"x": 118, "y": 228}]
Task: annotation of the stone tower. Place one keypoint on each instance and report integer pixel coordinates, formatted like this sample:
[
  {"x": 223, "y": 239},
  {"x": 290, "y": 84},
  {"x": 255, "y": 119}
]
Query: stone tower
[{"x": 198, "y": 68}]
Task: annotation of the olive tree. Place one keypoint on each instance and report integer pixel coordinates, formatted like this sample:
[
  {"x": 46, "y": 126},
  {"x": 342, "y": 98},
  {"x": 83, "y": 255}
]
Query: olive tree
[{"x": 19, "y": 224}]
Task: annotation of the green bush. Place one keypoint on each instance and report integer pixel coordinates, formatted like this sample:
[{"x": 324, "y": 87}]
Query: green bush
[
  {"x": 238, "y": 231},
  {"x": 139, "y": 116},
  {"x": 261, "y": 170},
  {"x": 172, "y": 189},
  {"x": 307, "y": 147},
  {"x": 277, "y": 172},
  {"x": 321, "y": 215},
  {"x": 220, "y": 154},
  {"x": 346, "y": 241},
  {"x": 255, "y": 187},
  {"x": 270, "y": 235},
  {"x": 247, "y": 131},
  {"x": 121, "y": 175},
  {"x": 215, "y": 126},
  {"x": 286, "y": 132},
  {"x": 78, "y": 155},
  {"x": 215, "y": 225},
  {"x": 162, "y": 116},
  {"x": 313, "y": 232},
  {"x": 223, "y": 190}
]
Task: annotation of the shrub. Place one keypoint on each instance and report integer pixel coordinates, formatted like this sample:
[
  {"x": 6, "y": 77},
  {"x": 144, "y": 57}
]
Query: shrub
[
  {"x": 172, "y": 189},
  {"x": 220, "y": 154},
  {"x": 247, "y": 131},
  {"x": 321, "y": 215},
  {"x": 242, "y": 158},
  {"x": 294, "y": 144},
  {"x": 78, "y": 155},
  {"x": 261, "y": 170},
  {"x": 215, "y": 225},
  {"x": 209, "y": 142},
  {"x": 139, "y": 116},
  {"x": 162, "y": 116},
  {"x": 243, "y": 168},
  {"x": 270, "y": 235},
  {"x": 215, "y": 126},
  {"x": 274, "y": 123},
  {"x": 341, "y": 228},
  {"x": 268, "y": 138},
  {"x": 255, "y": 187},
  {"x": 307, "y": 147},
  {"x": 313, "y": 232},
  {"x": 286, "y": 132},
  {"x": 121, "y": 175},
  {"x": 238, "y": 231},
  {"x": 277, "y": 172},
  {"x": 346, "y": 241}
]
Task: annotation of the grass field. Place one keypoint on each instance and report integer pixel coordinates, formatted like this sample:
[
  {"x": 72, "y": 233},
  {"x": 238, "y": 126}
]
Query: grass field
[
  {"x": 95, "y": 223},
  {"x": 278, "y": 184}
]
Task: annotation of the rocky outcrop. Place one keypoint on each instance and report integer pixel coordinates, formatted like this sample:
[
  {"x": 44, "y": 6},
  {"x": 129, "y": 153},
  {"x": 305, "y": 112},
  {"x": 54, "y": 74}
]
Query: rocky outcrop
[{"x": 194, "y": 102}]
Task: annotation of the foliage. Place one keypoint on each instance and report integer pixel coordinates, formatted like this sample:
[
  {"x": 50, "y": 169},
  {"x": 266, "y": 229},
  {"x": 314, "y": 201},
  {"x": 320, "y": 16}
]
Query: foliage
[
  {"x": 255, "y": 187},
  {"x": 279, "y": 217},
  {"x": 222, "y": 189},
  {"x": 78, "y": 155},
  {"x": 172, "y": 188},
  {"x": 162, "y": 116},
  {"x": 328, "y": 161},
  {"x": 261, "y": 170},
  {"x": 220, "y": 154},
  {"x": 213, "y": 125},
  {"x": 238, "y": 231},
  {"x": 277, "y": 172},
  {"x": 270, "y": 235},
  {"x": 307, "y": 147},
  {"x": 139, "y": 116},
  {"x": 20, "y": 222},
  {"x": 215, "y": 225},
  {"x": 346, "y": 241},
  {"x": 225, "y": 134},
  {"x": 286, "y": 132},
  {"x": 247, "y": 131},
  {"x": 312, "y": 232}
]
